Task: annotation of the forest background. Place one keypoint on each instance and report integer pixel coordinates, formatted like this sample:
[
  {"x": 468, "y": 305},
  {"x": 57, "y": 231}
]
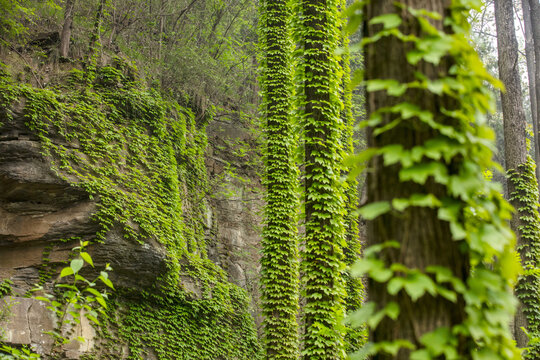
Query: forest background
[{"x": 206, "y": 54}]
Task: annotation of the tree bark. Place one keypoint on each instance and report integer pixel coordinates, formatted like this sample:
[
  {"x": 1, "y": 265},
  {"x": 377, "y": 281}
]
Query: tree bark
[
  {"x": 324, "y": 207},
  {"x": 514, "y": 126},
  {"x": 425, "y": 240},
  {"x": 535, "y": 25},
  {"x": 279, "y": 261},
  {"x": 65, "y": 36},
  {"x": 531, "y": 67}
]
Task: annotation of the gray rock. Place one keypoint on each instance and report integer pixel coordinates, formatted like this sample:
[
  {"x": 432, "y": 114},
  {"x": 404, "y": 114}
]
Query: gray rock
[{"x": 28, "y": 320}]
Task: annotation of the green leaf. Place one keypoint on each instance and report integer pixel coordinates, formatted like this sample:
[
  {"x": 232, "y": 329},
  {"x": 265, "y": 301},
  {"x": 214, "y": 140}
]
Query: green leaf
[
  {"x": 395, "y": 285},
  {"x": 359, "y": 317},
  {"x": 86, "y": 257},
  {"x": 76, "y": 265},
  {"x": 92, "y": 291},
  {"x": 42, "y": 298},
  {"x": 421, "y": 354},
  {"x": 106, "y": 281},
  {"x": 389, "y": 21},
  {"x": 101, "y": 301},
  {"x": 393, "y": 87},
  {"x": 417, "y": 284},
  {"x": 392, "y": 310},
  {"x": 66, "y": 272},
  {"x": 373, "y": 210}
]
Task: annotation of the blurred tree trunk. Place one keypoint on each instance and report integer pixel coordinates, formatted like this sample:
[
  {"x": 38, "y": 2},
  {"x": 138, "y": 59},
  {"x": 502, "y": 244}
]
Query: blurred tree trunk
[
  {"x": 425, "y": 240},
  {"x": 514, "y": 127},
  {"x": 65, "y": 36}
]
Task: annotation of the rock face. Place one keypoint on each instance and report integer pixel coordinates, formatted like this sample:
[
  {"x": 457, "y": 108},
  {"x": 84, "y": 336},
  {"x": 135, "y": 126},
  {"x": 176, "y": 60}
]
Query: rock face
[
  {"x": 42, "y": 217},
  {"x": 38, "y": 210},
  {"x": 36, "y": 207},
  {"x": 237, "y": 204},
  {"x": 27, "y": 323}
]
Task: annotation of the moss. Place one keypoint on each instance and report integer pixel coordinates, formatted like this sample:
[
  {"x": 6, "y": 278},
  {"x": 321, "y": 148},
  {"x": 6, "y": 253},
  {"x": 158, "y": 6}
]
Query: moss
[{"x": 142, "y": 158}]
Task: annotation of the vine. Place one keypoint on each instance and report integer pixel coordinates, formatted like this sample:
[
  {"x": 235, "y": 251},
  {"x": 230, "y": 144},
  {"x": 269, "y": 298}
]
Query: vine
[
  {"x": 443, "y": 175},
  {"x": 279, "y": 273},
  {"x": 528, "y": 286},
  {"x": 319, "y": 74},
  {"x": 354, "y": 338}
]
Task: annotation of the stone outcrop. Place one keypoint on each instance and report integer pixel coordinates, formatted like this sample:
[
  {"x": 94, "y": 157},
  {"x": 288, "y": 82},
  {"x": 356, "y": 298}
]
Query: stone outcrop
[{"x": 42, "y": 217}]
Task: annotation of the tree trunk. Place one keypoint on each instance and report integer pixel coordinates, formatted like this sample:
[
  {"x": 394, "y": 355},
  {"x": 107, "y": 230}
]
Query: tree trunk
[
  {"x": 535, "y": 25},
  {"x": 530, "y": 56},
  {"x": 65, "y": 37},
  {"x": 514, "y": 127},
  {"x": 324, "y": 207},
  {"x": 279, "y": 262},
  {"x": 95, "y": 37},
  {"x": 425, "y": 240}
]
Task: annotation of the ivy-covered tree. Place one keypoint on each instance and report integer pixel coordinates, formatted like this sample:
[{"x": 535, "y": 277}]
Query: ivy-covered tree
[
  {"x": 354, "y": 338},
  {"x": 322, "y": 259},
  {"x": 517, "y": 167},
  {"x": 433, "y": 216},
  {"x": 279, "y": 274}
]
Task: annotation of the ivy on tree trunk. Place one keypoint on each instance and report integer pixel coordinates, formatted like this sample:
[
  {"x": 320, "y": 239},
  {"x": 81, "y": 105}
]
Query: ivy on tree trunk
[
  {"x": 322, "y": 259},
  {"x": 279, "y": 273}
]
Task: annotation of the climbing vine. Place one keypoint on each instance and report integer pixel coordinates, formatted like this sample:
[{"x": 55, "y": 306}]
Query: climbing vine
[
  {"x": 354, "y": 338},
  {"x": 528, "y": 286},
  {"x": 450, "y": 161},
  {"x": 279, "y": 273},
  {"x": 319, "y": 73}
]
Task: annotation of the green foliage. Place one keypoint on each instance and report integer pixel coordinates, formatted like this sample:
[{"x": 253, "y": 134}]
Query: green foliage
[
  {"x": 454, "y": 158},
  {"x": 319, "y": 78},
  {"x": 528, "y": 286},
  {"x": 5, "y": 305},
  {"x": 216, "y": 327},
  {"x": 13, "y": 14},
  {"x": 142, "y": 158},
  {"x": 120, "y": 131},
  {"x": 77, "y": 297},
  {"x": 5, "y": 287},
  {"x": 23, "y": 353},
  {"x": 279, "y": 272},
  {"x": 17, "y": 17},
  {"x": 72, "y": 300},
  {"x": 354, "y": 338}
]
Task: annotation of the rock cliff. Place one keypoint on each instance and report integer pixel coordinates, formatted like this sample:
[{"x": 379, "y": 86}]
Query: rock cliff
[{"x": 100, "y": 158}]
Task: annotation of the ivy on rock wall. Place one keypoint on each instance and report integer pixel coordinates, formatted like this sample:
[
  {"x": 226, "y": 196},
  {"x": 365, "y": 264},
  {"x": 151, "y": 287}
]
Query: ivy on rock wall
[
  {"x": 142, "y": 157},
  {"x": 279, "y": 263},
  {"x": 216, "y": 327}
]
